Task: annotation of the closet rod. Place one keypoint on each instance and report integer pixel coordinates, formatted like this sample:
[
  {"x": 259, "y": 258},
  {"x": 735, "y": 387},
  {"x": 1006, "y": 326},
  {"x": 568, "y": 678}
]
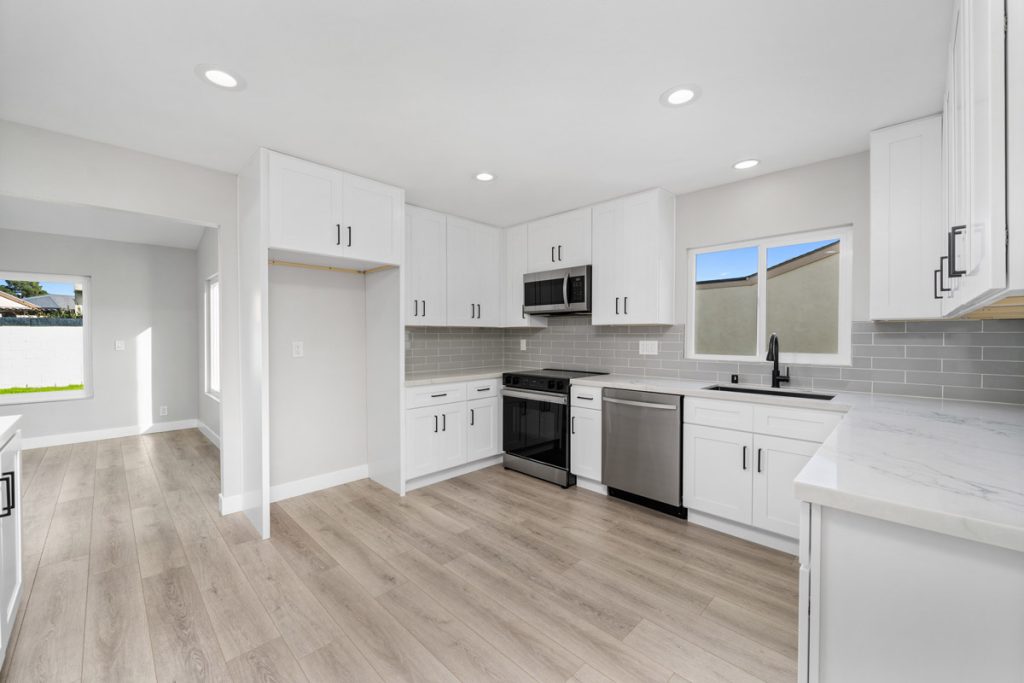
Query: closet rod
[{"x": 310, "y": 266}]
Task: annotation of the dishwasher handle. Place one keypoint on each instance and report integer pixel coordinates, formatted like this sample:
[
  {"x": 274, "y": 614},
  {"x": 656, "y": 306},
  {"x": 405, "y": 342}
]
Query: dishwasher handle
[{"x": 640, "y": 404}]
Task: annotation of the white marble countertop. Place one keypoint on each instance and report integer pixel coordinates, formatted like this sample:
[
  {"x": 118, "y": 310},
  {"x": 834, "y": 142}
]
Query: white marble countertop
[
  {"x": 954, "y": 467},
  {"x": 443, "y": 377},
  {"x": 8, "y": 425}
]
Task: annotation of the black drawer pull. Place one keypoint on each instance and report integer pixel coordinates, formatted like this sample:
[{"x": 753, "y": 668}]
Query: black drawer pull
[
  {"x": 438, "y": 395},
  {"x": 484, "y": 389},
  {"x": 585, "y": 398}
]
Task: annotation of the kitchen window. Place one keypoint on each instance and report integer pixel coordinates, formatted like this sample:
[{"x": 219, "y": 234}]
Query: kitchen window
[
  {"x": 796, "y": 286},
  {"x": 44, "y": 338},
  {"x": 212, "y": 346}
]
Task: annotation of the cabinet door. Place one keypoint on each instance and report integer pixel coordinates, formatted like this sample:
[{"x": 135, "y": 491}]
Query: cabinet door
[
  {"x": 425, "y": 267},
  {"x": 641, "y": 259},
  {"x": 515, "y": 268},
  {"x": 560, "y": 241},
  {"x": 488, "y": 276},
  {"x": 474, "y": 277},
  {"x": 483, "y": 435},
  {"x": 776, "y": 463},
  {"x": 609, "y": 241},
  {"x": 907, "y": 226},
  {"x": 585, "y": 443},
  {"x": 10, "y": 542},
  {"x": 305, "y": 206},
  {"x": 452, "y": 437},
  {"x": 371, "y": 229},
  {"x": 717, "y": 471},
  {"x": 422, "y": 438}
]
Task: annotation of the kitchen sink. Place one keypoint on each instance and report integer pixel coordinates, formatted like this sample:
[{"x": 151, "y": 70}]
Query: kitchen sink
[{"x": 771, "y": 392}]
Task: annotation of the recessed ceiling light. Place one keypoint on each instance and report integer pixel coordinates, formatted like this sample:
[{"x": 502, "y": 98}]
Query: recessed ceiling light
[
  {"x": 485, "y": 177},
  {"x": 219, "y": 77},
  {"x": 680, "y": 95},
  {"x": 745, "y": 164}
]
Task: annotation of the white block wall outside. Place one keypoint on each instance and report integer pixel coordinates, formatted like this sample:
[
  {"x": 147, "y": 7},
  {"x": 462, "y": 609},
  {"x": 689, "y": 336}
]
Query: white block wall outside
[{"x": 40, "y": 356}]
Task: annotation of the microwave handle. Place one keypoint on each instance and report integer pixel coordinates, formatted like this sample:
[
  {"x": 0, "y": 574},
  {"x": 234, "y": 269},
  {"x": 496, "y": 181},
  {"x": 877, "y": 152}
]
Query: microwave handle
[{"x": 565, "y": 290}]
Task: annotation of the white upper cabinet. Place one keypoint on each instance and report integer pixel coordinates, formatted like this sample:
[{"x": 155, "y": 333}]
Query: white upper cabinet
[
  {"x": 974, "y": 151},
  {"x": 425, "y": 267},
  {"x": 634, "y": 260},
  {"x": 561, "y": 241},
  {"x": 319, "y": 210},
  {"x": 474, "y": 276},
  {"x": 907, "y": 226},
  {"x": 515, "y": 267}
]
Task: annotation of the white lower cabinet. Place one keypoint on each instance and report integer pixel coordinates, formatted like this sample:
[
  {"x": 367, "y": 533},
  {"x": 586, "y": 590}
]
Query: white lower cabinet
[
  {"x": 777, "y": 461},
  {"x": 444, "y": 430},
  {"x": 483, "y": 433},
  {"x": 716, "y": 471},
  {"x": 585, "y": 443},
  {"x": 10, "y": 538}
]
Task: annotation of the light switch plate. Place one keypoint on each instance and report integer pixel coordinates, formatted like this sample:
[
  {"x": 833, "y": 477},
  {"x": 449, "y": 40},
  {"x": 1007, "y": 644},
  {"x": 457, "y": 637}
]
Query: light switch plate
[
  {"x": 648, "y": 347},
  {"x": 163, "y": 411},
  {"x": 297, "y": 350},
  {"x": 119, "y": 345}
]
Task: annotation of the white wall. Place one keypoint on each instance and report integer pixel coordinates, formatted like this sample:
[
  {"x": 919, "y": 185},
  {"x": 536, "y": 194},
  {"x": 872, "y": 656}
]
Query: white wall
[
  {"x": 318, "y": 401},
  {"x": 207, "y": 265},
  {"x": 821, "y": 195},
  {"x": 144, "y": 295},
  {"x": 41, "y": 164}
]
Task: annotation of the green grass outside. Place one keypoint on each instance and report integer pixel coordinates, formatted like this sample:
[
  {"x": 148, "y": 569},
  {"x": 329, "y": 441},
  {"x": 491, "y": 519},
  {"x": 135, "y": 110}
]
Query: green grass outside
[{"x": 34, "y": 390}]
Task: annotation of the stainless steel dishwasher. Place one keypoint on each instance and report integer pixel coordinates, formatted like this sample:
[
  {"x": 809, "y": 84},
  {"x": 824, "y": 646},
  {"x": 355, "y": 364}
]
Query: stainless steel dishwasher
[{"x": 641, "y": 452}]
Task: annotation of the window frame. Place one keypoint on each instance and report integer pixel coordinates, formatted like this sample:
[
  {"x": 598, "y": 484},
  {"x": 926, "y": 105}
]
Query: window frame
[
  {"x": 843, "y": 233},
  {"x": 208, "y": 338},
  {"x": 75, "y": 394}
]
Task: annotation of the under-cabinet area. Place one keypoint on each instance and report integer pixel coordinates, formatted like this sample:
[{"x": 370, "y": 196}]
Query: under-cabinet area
[{"x": 601, "y": 342}]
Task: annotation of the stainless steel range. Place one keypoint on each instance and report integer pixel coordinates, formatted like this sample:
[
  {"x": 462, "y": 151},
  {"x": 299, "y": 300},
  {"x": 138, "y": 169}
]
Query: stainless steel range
[{"x": 536, "y": 423}]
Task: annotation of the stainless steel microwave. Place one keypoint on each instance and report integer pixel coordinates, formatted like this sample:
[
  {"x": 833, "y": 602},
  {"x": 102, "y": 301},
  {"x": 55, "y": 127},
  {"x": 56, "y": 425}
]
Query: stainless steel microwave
[{"x": 557, "y": 292}]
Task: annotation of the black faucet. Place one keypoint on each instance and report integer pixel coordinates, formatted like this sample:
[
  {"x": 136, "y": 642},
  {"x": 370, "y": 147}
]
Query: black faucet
[{"x": 773, "y": 355}]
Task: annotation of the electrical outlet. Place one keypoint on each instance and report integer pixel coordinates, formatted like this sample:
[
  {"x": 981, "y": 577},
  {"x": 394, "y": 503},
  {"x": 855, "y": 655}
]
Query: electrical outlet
[
  {"x": 119, "y": 345},
  {"x": 522, "y": 344},
  {"x": 163, "y": 411},
  {"x": 297, "y": 350},
  {"x": 648, "y": 347},
  {"x": 735, "y": 379}
]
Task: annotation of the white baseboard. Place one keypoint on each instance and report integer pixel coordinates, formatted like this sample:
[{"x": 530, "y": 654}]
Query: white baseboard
[
  {"x": 210, "y": 435},
  {"x": 229, "y": 505},
  {"x": 747, "y": 533},
  {"x": 100, "y": 434},
  {"x": 591, "y": 485},
  {"x": 428, "y": 479},
  {"x": 317, "y": 483}
]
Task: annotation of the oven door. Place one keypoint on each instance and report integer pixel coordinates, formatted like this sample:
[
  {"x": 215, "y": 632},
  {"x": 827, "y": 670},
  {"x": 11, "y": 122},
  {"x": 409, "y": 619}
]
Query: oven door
[{"x": 536, "y": 426}]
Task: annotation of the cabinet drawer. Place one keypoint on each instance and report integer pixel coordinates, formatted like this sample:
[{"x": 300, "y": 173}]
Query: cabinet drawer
[
  {"x": 586, "y": 397},
  {"x": 484, "y": 388},
  {"x": 795, "y": 423},
  {"x": 713, "y": 413},
  {"x": 434, "y": 395}
]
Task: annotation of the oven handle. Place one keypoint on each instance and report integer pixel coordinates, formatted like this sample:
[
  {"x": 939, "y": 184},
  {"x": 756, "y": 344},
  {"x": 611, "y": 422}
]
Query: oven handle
[{"x": 541, "y": 396}]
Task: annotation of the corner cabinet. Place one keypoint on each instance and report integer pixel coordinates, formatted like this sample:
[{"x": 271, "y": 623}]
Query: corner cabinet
[
  {"x": 560, "y": 241},
  {"x": 517, "y": 265},
  {"x": 634, "y": 253},
  {"x": 10, "y": 538},
  {"x": 313, "y": 209},
  {"x": 907, "y": 225},
  {"x": 425, "y": 266}
]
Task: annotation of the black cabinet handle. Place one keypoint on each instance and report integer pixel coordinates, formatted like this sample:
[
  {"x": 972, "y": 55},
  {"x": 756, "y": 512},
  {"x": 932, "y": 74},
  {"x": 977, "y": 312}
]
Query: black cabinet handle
[
  {"x": 744, "y": 457},
  {"x": 416, "y": 307},
  {"x": 941, "y": 272},
  {"x": 349, "y": 235},
  {"x": 552, "y": 254},
  {"x": 444, "y": 422},
  {"x": 559, "y": 252},
  {"x": 625, "y": 305},
  {"x": 479, "y": 312},
  {"x": 573, "y": 423},
  {"x": 435, "y": 424},
  {"x": 952, "y": 269},
  {"x": 11, "y": 488},
  {"x": 524, "y": 312},
  {"x": 936, "y": 277},
  {"x": 585, "y": 398},
  {"x": 438, "y": 395},
  {"x": 339, "y": 233},
  {"x": 484, "y": 389},
  {"x": 758, "y": 459},
  {"x": 616, "y": 305},
  {"x": 424, "y": 308},
  {"x": 472, "y": 417}
]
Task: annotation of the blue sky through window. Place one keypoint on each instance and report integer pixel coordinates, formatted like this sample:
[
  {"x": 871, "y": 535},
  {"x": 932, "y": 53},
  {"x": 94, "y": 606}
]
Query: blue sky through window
[
  {"x": 737, "y": 263},
  {"x": 53, "y": 287}
]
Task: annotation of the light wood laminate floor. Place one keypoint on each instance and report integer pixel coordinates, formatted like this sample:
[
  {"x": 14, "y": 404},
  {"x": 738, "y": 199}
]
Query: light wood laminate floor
[{"x": 132, "y": 575}]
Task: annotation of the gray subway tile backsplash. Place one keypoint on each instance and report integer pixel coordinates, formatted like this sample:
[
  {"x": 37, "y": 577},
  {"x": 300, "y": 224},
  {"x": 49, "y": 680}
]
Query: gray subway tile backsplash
[{"x": 962, "y": 359}]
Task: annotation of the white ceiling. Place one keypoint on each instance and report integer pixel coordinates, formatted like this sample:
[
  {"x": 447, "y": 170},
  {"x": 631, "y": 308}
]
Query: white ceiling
[
  {"x": 558, "y": 98},
  {"x": 17, "y": 213}
]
